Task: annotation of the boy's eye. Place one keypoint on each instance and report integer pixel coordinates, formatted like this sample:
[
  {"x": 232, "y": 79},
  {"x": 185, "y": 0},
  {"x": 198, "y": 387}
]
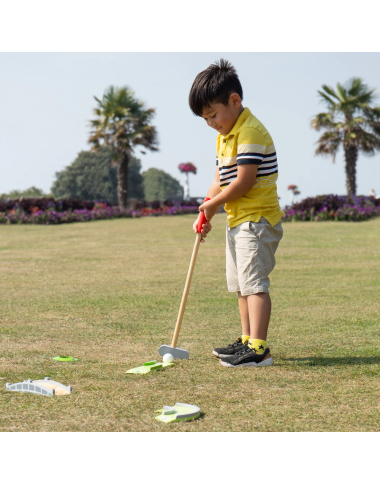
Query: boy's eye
[{"x": 213, "y": 116}]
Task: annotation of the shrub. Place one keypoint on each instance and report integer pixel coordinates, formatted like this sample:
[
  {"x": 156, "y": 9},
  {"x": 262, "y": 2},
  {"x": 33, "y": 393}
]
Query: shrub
[
  {"x": 31, "y": 192},
  {"x": 91, "y": 176},
  {"x": 50, "y": 211},
  {"x": 159, "y": 185},
  {"x": 333, "y": 207}
]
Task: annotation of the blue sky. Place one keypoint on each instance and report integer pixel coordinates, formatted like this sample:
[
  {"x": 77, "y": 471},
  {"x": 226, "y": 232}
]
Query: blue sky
[{"x": 47, "y": 99}]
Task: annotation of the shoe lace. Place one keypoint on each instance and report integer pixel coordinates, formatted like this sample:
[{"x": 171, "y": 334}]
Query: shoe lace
[
  {"x": 238, "y": 342},
  {"x": 243, "y": 351}
]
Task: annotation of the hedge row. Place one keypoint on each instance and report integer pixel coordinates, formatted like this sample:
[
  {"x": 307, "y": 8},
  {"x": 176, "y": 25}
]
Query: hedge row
[
  {"x": 30, "y": 205},
  {"x": 50, "y": 211},
  {"x": 333, "y": 207}
]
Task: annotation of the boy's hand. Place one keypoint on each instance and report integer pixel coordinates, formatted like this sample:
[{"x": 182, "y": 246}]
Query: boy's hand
[
  {"x": 209, "y": 209},
  {"x": 206, "y": 228}
]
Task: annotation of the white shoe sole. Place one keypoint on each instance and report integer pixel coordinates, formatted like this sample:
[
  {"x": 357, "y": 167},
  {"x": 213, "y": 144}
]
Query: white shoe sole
[
  {"x": 263, "y": 363},
  {"x": 221, "y": 356}
]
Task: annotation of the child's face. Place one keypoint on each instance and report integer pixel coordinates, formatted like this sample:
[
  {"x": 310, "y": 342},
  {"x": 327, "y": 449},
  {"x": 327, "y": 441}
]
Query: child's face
[{"x": 222, "y": 118}]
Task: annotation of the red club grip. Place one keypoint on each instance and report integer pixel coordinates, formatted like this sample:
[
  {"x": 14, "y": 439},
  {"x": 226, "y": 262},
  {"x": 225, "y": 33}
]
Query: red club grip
[{"x": 202, "y": 218}]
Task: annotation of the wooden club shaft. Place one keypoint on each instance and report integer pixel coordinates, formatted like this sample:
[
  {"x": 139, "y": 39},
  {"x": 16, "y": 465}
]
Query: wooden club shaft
[{"x": 198, "y": 238}]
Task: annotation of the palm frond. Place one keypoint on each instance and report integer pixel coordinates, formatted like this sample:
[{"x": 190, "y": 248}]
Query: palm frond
[
  {"x": 342, "y": 93},
  {"x": 331, "y": 104},
  {"x": 376, "y": 127},
  {"x": 364, "y": 99},
  {"x": 368, "y": 142},
  {"x": 328, "y": 144},
  {"x": 376, "y": 111},
  {"x": 322, "y": 120},
  {"x": 96, "y": 123},
  {"x": 354, "y": 87},
  {"x": 97, "y": 112},
  {"x": 354, "y": 122},
  {"x": 147, "y": 138},
  {"x": 372, "y": 115},
  {"x": 329, "y": 90}
]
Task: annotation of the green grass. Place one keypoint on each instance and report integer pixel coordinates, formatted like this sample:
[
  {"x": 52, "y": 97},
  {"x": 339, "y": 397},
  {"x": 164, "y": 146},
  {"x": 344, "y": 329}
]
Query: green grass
[{"x": 108, "y": 293}]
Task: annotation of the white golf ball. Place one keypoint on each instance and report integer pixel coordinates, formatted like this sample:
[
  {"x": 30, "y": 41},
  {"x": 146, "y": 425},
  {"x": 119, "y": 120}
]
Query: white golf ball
[{"x": 168, "y": 358}]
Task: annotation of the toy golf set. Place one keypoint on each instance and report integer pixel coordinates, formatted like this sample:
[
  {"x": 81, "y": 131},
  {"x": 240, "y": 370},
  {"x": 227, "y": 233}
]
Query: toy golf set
[
  {"x": 171, "y": 352},
  {"x": 169, "y": 414},
  {"x": 179, "y": 412},
  {"x": 44, "y": 387}
]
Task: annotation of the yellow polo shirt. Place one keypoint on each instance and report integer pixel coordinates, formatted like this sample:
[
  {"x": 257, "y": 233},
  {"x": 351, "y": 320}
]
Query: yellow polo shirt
[{"x": 249, "y": 142}]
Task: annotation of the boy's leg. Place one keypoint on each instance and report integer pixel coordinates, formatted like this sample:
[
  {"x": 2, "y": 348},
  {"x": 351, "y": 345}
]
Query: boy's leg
[
  {"x": 257, "y": 244},
  {"x": 233, "y": 286},
  {"x": 240, "y": 343},
  {"x": 244, "y": 314},
  {"x": 255, "y": 313},
  {"x": 259, "y": 308}
]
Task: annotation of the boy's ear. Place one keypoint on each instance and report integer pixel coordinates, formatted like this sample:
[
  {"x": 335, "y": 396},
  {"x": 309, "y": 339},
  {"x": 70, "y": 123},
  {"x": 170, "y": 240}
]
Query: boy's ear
[{"x": 235, "y": 100}]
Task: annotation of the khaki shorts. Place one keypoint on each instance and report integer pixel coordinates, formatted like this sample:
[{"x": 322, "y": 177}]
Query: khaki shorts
[{"x": 250, "y": 250}]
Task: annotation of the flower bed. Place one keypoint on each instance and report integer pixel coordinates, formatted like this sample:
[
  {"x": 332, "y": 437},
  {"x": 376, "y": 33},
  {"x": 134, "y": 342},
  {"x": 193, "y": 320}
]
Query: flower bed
[
  {"x": 49, "y": 211},
  {"x": 333, "y": 208}
]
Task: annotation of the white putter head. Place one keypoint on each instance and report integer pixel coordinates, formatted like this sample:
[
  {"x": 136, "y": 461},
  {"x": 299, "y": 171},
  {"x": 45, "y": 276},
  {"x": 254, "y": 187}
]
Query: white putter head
[{"x": 175, "y": 351}]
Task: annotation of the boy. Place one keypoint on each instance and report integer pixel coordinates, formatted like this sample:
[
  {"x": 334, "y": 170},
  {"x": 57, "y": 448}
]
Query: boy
[{"x": 245, "y": 181}]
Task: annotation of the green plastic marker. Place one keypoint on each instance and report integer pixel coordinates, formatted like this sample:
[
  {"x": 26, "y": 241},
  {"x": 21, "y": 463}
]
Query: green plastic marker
[
  {"x": 179, "y": 412},
  {"x": 147, "y": 367},
  {"x": 65, "y": 358}
]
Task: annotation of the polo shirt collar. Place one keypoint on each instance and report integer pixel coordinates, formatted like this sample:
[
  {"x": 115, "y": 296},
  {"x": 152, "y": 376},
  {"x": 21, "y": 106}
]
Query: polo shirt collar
[{"x": 242, "y": 117}]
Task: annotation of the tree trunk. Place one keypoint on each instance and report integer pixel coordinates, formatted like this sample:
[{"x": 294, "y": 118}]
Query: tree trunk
[
  {"x": 122, "y": 182},
  {"x": 351, "y": 155}
]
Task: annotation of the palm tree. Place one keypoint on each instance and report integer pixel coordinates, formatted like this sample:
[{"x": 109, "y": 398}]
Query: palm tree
[
  {"x": 350, "y": 122},
  {"x": 122, "y": 122}
]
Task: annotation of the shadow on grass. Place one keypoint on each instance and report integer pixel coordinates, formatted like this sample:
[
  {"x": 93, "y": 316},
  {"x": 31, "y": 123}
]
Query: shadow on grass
[{"x": 330, "y": 361}]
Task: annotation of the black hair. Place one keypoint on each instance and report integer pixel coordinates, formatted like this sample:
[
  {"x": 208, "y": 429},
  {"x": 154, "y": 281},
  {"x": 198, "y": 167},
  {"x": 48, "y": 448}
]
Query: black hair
[{"x": 214, "y": 85}]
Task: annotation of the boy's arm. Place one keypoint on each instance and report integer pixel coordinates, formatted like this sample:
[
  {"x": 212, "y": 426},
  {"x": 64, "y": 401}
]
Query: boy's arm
[
  {"x": 214, "y": 189},
  {"x": 246, "y": 177}
]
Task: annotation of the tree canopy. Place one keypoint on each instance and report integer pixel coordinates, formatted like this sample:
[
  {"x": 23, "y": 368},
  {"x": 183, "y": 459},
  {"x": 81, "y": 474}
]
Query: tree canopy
[
  {"x": 159, "y": 185},
  {"x": 92, "y": 177},
  {"x": 27, "y": 193}
]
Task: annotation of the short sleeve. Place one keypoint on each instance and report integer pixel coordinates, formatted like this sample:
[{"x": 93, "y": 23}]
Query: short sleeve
[
  {"x": 217, "y": 149},
  {"x": 251, "y": 146}
]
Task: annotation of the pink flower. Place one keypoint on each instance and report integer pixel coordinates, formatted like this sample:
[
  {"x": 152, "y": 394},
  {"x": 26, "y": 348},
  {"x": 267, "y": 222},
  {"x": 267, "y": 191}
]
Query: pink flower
[{"x": 187, "y": 167}]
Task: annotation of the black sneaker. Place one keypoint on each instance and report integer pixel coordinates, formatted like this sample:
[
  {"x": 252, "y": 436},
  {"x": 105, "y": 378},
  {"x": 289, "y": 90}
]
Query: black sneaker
[
  {"x": 230, "y": 349},
  {"x": 247, "y": 358}
]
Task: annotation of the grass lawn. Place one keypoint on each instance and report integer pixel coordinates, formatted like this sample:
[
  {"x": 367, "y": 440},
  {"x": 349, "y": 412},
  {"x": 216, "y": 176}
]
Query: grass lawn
[{"x": 108, "y": 293}]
